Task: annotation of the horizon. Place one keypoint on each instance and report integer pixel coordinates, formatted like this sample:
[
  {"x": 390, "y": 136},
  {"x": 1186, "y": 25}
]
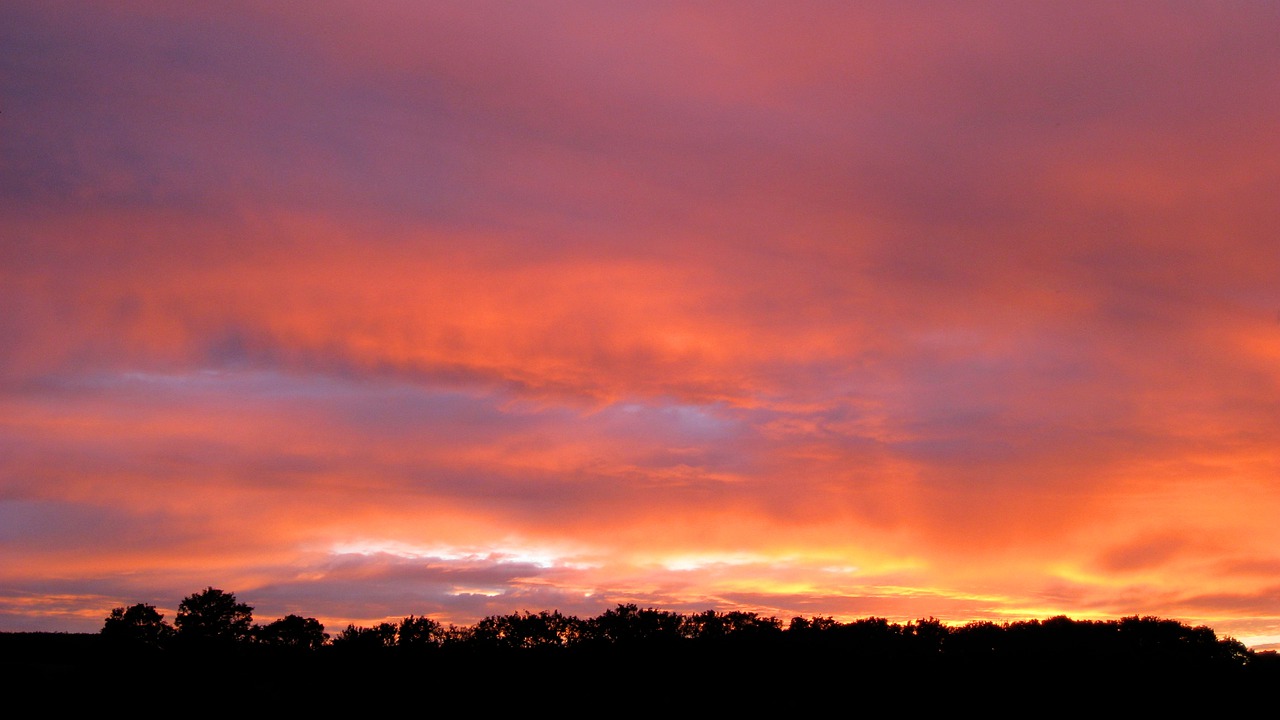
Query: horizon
[
  {"x": 965, "y": 311},
  {"x": 167, "y": 617}
]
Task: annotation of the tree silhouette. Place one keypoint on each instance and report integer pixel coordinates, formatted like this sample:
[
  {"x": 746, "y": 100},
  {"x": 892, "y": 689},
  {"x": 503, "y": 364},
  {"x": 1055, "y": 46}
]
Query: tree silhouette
[
  {"x": 292, "y": 631},
  {"x": 928, "y": 635},
  {"x": 419, "y": 632},
  {"x": 711, "y": 625},
  {"x": 138, "y": 625},
  {"x": 628, "y": 624},
  {"x": 527, "y": 630},
  {"x": 648, "y": 646},
  {"x": 814, "y": 625},
  {"x": 363, "y": 639},
  {"x": 213, "y": 616}
]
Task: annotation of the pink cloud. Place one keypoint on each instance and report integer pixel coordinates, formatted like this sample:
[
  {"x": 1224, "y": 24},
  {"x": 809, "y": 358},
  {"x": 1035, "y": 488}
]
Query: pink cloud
[{"x": 979, "y": 301}]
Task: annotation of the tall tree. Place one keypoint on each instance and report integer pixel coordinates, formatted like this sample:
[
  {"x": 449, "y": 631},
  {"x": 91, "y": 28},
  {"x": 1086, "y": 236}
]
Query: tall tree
[{"x": 213, "y": 616}]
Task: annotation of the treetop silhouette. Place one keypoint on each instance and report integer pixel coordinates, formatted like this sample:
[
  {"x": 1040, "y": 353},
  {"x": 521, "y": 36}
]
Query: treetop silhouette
[
  {"x": 212, "y": 619},
  {"x": 213, "y": 616}
]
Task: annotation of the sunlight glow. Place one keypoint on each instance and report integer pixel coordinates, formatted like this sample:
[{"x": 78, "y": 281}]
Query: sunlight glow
[{"x": 500, "y": 554}]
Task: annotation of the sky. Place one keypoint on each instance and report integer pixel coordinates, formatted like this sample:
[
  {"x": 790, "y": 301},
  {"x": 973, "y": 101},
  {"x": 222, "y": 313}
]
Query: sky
[{"x": 898, "y": 309}]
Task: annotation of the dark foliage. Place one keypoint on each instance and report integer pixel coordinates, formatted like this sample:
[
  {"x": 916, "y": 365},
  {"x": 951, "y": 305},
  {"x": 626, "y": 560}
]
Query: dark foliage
[
  {"x": 138, "y": 626},
  {"x": 293, "y": 632},
  {"x": 420, "y": 633},
  {"x": 647, "y": 658},
  {"x": 213, "y": 617},
  {"x": 362, "y": 639}
]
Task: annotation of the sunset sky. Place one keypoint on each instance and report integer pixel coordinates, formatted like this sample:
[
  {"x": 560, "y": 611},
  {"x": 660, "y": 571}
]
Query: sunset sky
[{"x": 360, "y": 310}]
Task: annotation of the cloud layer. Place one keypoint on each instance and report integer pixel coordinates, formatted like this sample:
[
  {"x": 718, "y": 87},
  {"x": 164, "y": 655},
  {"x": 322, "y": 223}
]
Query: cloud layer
[{"x": 965, "y": 311}]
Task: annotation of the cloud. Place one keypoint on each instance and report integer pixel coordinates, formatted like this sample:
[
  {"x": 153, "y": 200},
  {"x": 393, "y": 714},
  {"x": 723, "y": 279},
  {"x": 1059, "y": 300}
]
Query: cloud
[{"x": 984, "y": 296}]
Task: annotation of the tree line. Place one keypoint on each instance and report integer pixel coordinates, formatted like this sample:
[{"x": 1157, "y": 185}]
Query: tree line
[
  {"x": 213, "y": 619},
  {"x": 214, "y": 654}
]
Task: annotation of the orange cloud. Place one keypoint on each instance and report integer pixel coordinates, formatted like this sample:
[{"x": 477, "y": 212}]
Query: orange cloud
[{"x": 823, "y": 310}]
